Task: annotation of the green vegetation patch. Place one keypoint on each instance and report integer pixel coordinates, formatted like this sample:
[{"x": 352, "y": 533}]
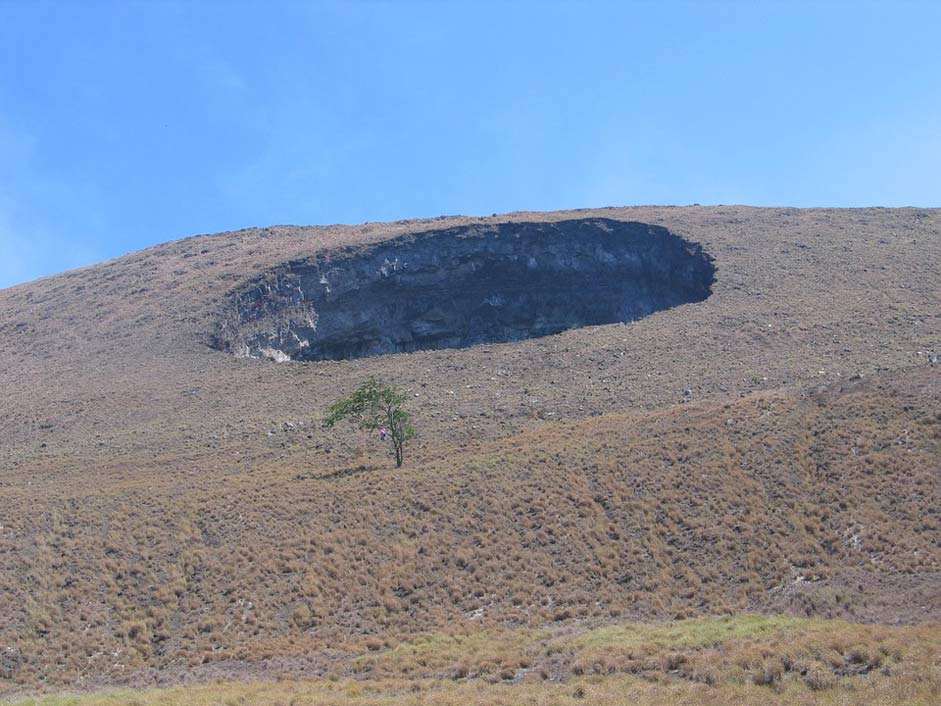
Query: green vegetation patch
[
  {"x": 695, "y": 633},
  {"x": 459, "y": 655},
  {"x": 732, "y": 661}
]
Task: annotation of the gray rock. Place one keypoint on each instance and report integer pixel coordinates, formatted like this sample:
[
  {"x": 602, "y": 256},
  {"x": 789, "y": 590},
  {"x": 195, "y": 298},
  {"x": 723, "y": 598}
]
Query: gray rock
[{"x": 462, "y": 287}]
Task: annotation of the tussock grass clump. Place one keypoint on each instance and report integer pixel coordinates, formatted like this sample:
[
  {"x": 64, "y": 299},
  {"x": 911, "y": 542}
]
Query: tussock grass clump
[
  {"x": 800, "y": 505},
  {"x": 726, "y": 662}
]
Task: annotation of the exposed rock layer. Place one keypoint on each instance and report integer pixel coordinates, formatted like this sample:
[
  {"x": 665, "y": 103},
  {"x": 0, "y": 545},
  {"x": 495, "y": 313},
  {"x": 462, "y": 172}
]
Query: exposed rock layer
[{"x": 465, "y": 286}]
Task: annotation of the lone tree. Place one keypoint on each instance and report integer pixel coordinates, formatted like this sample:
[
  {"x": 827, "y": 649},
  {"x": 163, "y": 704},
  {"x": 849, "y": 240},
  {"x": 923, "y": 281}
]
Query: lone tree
[{"x": 374, "y": 406}]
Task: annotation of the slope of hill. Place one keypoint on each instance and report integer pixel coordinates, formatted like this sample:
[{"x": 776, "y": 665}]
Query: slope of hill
[
  {"x": 113, "y": 358},
  {"x": 167, "y": 507}
]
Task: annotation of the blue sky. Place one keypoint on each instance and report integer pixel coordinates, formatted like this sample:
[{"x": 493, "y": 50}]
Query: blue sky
[{"x": 127, "y": 124}]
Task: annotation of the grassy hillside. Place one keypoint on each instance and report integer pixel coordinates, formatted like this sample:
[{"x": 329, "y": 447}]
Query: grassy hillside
[
  {"x": 778, "y": 500},
  {"x": 730, "y": 661},
  {"x": 114, "y": 359},
  {"x": 171, "y": 513}
]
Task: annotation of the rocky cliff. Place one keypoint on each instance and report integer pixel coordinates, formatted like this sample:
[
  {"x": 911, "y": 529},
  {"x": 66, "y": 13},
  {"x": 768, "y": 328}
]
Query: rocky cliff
[{"x": 461, "y": 287}]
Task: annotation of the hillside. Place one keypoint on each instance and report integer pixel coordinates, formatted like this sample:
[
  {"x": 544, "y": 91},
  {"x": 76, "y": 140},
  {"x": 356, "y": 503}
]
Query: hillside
[{"x": 170, "y": 511}]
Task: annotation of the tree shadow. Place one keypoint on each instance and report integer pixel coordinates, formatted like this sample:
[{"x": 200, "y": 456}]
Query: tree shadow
[{"x": 340, "y": 473}]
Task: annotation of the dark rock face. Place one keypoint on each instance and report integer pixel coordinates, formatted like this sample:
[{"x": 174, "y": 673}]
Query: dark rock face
[{"x": 464, "y": 286}]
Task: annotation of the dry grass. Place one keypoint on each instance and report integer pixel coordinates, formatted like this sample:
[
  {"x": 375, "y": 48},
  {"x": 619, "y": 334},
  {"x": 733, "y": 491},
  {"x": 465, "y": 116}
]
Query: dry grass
[
  {"x": 825, "y": 505},
  {"x": 744, "y": 660},
  {"x": 598, "y": 691},
  {"x": 113, "y": 359},
  {"x": 169, "y": 512}
]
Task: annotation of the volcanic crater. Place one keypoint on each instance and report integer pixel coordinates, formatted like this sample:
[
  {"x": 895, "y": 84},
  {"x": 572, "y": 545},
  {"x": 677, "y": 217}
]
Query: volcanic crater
[{"x": 461, "y": 287}]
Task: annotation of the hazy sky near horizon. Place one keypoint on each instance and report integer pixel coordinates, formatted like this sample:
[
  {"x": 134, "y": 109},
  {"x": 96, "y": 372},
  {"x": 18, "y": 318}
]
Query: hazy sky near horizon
[{"x": 125, "y": 124}]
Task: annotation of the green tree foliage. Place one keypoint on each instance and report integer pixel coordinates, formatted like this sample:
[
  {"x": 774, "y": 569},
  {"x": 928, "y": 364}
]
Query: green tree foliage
[{"x": 372, "y": 406}]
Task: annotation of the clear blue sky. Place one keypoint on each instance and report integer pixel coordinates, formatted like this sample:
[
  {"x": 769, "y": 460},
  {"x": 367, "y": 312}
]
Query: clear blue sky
[{"x": 126, "y": 124}]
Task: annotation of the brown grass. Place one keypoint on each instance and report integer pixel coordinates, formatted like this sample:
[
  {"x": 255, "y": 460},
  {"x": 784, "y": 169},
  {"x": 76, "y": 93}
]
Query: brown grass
[
  {"x": 743, "y": 660},
  {"x": 708, "y": 508},
  {"x": 169, "y": 512},
  {"x": 113, "y": 358}
]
